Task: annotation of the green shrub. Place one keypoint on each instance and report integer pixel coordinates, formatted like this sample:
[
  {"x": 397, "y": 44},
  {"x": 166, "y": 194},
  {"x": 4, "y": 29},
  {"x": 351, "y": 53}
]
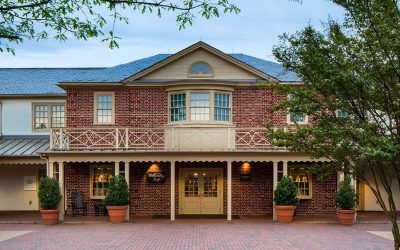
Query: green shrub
[
  {"x": 346, "y": 196},
  {"x": 49, "y": 193},
  {"x": 285, "y": 193},
  {"x": 118, "y": 194}
]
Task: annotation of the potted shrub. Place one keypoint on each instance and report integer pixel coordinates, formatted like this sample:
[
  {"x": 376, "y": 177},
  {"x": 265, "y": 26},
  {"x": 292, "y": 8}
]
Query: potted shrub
[
  {"x": 117, "y": 199},
  {"x": 49, "y": 198},
  {"x": 346, "y": 201},
  {"x": 285, "y": 198}
]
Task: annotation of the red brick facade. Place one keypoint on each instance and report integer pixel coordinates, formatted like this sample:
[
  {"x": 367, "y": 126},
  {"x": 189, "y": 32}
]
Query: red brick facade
[{"x": 251, "y": 197}]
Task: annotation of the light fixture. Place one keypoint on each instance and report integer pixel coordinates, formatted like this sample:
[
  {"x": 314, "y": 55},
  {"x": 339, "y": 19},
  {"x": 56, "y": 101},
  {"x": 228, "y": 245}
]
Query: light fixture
[{"x": 245, "y": 168}]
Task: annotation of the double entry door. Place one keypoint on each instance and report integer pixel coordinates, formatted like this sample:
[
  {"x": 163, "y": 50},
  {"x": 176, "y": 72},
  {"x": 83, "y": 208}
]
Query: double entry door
[{"x": 201, "y": 191}]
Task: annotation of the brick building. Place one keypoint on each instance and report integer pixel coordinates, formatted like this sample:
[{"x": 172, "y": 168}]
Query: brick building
[{"x": 187, "y": 130}]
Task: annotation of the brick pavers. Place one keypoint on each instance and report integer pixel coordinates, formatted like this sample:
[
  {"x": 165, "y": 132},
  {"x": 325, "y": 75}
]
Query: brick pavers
[{"x": 197, "y": 234}]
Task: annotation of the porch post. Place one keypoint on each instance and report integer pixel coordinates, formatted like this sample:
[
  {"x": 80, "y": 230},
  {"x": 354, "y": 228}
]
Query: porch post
[
  {"x": 172, "y": 191},
  {"x": 50, "y": 169},
  {"x": 229, "y": 190},
  {"x": 275, "y": 184},
  {"x": 127, "y": 181},
  {"x": 285, "y": 164},
  {"x": 116, "y": 168},
  {"x": 61, "y": 181}
]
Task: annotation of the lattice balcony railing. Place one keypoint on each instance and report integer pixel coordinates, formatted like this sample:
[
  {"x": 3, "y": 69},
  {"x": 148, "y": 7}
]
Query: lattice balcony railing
[{"x": 160, "y": 139}]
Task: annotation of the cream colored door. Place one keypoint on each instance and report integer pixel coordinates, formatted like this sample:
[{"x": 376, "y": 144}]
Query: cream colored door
[{"x": 201, "y": 191}]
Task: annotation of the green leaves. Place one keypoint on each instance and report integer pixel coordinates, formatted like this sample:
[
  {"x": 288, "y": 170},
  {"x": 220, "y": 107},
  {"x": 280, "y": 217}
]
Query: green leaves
[
  {"x": 49, "y": 193},
  {"x": 346, "y": 197},
  {"x": 118, "y": 195},
  {"x": 285, "y": 193},
  {"x": 62, "y": 19}
]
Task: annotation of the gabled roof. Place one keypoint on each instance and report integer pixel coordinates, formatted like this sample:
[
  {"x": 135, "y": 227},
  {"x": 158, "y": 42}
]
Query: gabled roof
[{"x": 37, "y": 81}]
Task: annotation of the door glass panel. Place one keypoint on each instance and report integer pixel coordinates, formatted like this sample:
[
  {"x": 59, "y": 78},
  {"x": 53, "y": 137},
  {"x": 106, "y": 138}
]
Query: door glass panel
[
  {"x": 191, "y": 185},
  {"x": 210, "y": 185}
]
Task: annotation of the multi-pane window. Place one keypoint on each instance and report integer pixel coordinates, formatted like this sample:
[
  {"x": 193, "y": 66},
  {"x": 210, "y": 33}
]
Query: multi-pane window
[
  {"x": 104, "y": 108},
  {"x": 297, "y": 117},
  {"x": 100, "y": 177},
  {"x": 341, "y": 113},
  {"x": 178, "y": 107},
  {"x": 57, "y": 116},
  {"x": 47, "y": 116},
  {"x": 222, "y": 108},
  {"x": 41, "y": 117},
  {"x": 200, "y": 106},
  {"x": 200, "y": 69},
  {"x": 302, "y": 179}
]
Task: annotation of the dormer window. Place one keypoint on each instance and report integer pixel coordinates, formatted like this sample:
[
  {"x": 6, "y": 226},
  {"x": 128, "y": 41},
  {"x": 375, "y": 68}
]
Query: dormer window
[{"x": 200, "y": 69}]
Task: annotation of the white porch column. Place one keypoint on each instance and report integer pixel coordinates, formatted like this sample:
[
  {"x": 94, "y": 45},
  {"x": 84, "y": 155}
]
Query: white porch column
[
  {"x": 61, "y": 181},
  {"x": 172, "y": 201},
  {"x": 229, "y": 190},
  {"x": 275, "y": 184},
  {"x": 51, "y": 169},
  {"x": 127, "y": 181},
  {"x": 285, "y": 170},
  {"x": 116, "y": 168}
]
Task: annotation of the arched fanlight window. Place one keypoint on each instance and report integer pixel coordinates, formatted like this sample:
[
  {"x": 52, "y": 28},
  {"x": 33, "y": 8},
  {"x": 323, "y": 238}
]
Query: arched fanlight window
[{"x": 200, "y": 69}]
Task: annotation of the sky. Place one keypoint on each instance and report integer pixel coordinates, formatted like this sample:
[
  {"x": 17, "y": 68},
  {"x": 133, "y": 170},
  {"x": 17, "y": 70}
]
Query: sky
[{"x": 254, "y": 31}]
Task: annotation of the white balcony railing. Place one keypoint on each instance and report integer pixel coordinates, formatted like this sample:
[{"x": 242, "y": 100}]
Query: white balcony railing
[{"x": 160, "y": 139}]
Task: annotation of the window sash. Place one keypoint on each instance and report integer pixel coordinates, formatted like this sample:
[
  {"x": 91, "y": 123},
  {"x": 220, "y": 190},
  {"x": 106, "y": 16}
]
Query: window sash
[
  {"x": 41, "y": 117},
  {"x": 100, "y": 181},
  {"x": 57, "y": 116},
  {"x": 222, "y": 107},
  {"x": 47, "y": 116},
  {"x": 104, "y": 109},
  {"x": 297, "y": 117},
  {"x": 177, "y": 107},
  {"x": 302, "y": 180},
  {"x": 199, "y": 106}
]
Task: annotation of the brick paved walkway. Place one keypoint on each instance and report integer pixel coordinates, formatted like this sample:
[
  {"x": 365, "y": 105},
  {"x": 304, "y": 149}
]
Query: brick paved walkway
[{"x": 196, "y": 234}]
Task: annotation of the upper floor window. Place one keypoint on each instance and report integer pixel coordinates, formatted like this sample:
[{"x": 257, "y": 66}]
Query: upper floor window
[
  {"x": 300, "y": 118},
  {"x": 104, "y": 108},
  {"x": 200, "y": 69},
  {"x": 203, "y": 106},
  {"x": 48, "y": 115},
  {"x": 341, "y": 113}
]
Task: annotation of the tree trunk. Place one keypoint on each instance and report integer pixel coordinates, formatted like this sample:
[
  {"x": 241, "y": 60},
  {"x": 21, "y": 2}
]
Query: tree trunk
[{"x": 395, "y": 229}]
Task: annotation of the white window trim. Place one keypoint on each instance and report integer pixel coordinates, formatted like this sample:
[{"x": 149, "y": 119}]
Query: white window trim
[
  {"x": 49, "y": 114},
  {"x": 289, "y": 121},
  {"x": 212, "y": 107},
  {"x": 95, "y": 103}
]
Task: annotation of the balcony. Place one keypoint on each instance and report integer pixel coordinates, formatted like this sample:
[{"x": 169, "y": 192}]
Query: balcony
[{"x": 160, "y": 139}]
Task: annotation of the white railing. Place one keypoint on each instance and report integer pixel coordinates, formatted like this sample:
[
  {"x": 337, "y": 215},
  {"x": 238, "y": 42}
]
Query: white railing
[{"x": 160, "y": 139}]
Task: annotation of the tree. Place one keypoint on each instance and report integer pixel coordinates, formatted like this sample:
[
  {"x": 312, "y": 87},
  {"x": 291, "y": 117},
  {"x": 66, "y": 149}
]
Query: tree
[
  {"x": 61, "y": 19},
  {"x": 351, "y": 91}
]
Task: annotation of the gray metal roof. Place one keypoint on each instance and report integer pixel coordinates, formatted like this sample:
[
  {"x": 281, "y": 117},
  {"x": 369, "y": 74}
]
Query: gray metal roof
[{"x": 13, "y": 146}]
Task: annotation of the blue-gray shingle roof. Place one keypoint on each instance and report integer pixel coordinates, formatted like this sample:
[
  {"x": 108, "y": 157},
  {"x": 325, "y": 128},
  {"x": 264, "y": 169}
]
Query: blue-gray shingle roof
[{"x": 23, "y": 81}]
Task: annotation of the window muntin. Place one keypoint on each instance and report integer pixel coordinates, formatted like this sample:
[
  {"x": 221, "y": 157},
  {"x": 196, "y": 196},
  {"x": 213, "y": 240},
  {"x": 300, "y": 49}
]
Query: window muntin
[
  {"x": 58, "y": 116},
  {"x": 342, "y": 113},
  {"x": 48, "y": 115},
  {"x": 297, "y": 117},
  {"x": 303, "y": 181},
  {"x": 100, "y": 179},
  {"x": 177, "y": 107},
  {"x": 199, "y": 106},
  {"x": 104, "y": 108},
  {"x": 200, "y": 69},
  {"x": 41, "y": 117},
  {"x": 222, "y": 109}
]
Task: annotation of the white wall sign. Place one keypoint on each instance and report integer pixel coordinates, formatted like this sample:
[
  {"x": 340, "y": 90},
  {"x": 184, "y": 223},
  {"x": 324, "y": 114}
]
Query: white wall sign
[{"x": 30, "y": 183}]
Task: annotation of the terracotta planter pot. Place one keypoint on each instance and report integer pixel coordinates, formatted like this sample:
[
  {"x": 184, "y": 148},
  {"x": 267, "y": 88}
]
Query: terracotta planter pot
[
  {"x": 50, "y": 217},
  {"x": 285, "y": 213},
  {"x": 117, "y": 213},
  {"x": 346, "y": 217}
]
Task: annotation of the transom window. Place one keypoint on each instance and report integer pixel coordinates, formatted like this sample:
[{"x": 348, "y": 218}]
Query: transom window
[
  {"x": 200, "y": 69},
  {"x": 47, "y": 116},
  {"x": 100, "y": 179},
  {"x": 302, "y": 179},
  {"x": 204, "y": 106},
  {"x": 104, "y": 107}
]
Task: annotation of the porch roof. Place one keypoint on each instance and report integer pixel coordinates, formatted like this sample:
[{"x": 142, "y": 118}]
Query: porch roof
[{"x": 23, "y": 145}]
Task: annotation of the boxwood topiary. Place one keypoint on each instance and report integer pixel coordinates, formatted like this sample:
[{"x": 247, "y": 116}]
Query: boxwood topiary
[
  {"x": 118, "y": 194},
  {"x": 346, "y": 196},
  {"x": 49, "y": 193},
  {"x": 285, "y": 193}
]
